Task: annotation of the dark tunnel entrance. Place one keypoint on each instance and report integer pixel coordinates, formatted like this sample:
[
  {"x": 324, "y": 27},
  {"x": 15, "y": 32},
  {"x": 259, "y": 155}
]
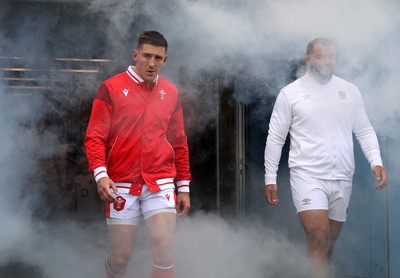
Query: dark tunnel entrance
[{"x": 56, "y": 83}]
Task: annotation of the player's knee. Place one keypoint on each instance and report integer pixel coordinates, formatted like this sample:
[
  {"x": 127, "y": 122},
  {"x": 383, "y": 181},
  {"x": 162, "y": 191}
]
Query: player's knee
[
  {"x": 319, "y": 239},
  {"x": 162, "y": 251},
  {"x": 115, "y": 268},
  {"x": 119, "y": 262}
]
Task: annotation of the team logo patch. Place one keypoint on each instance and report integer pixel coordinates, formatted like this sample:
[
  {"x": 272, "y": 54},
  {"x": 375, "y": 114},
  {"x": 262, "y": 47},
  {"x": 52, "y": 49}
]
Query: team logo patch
[
  {"x": 306, "y": 201},
  {"x": 119, "y": 204},
  {"x": 162, "y": 93},
  {"x": 125, "y": 91},
  {"x": 167, "y": 196},
  {"x": 342, "y": 95}
]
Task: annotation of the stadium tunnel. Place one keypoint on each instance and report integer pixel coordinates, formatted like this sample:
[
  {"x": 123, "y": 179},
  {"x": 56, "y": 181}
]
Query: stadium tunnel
[{"x": 226, "y": 156}]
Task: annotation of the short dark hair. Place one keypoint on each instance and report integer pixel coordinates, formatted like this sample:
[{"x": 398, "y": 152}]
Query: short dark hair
[
  {"x": 323, "y": 41},
  {"x": 153, "y": 38}
]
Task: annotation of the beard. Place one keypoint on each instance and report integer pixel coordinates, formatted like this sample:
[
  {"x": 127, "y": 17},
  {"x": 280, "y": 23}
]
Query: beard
[{"x": 322, "y": 76}]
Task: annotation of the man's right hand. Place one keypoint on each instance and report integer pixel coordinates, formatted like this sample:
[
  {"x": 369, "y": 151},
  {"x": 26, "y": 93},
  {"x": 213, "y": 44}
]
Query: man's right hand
[
  {"x": 271, "y": 194},
  {"x": 104, "y": 186}
]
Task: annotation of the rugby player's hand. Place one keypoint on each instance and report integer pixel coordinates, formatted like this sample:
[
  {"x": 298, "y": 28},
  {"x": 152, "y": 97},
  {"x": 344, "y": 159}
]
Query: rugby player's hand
[
  {"x": 104, "y": 187},
  {"x": 182, "y": 203},
  {"x": 381, "y": 176},
  {"x": 271, "y": 194}
]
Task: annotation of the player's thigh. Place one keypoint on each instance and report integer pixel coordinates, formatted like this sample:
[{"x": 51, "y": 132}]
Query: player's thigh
[
  {"x": 160, "y": 215},
  {"x": 161, "y": 226},
  {"x": 121, "y": 240},
  {"x": 315, "y": 222},
  {"x": 336, "y": 227}
]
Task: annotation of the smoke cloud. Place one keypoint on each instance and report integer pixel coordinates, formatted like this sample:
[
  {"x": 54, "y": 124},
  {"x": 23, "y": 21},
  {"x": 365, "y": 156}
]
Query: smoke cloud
[{"x": 252, "y": 45}]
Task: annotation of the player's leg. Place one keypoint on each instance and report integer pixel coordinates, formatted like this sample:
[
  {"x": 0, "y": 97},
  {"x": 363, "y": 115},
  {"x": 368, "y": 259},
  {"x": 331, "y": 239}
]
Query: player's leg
[
  {"x": 122, "y": 219},
  {"x": 338, "y": 205},
  {"x": 121, "y": 246},
  {"x": 161, "y": 226},
  {"x": 318, "y": 234},
  {"x": 160, "y": 214},
  {"x": 335, "y": 227},
  {"x": 310, "y": 197}
]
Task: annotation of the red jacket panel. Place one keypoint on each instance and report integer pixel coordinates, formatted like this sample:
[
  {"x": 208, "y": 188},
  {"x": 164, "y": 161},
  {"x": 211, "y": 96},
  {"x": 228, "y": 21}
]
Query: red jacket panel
[{"x": 138, "y": 133}]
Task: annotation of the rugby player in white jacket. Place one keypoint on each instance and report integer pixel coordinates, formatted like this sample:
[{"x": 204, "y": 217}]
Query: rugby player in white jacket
[{"x": 320, "y": 112}]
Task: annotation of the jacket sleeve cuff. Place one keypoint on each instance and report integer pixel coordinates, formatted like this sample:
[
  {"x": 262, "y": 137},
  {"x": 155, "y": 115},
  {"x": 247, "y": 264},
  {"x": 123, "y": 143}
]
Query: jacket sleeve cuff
[
  {"x": 100, "y": 172},
  {"x": 183, "y": 186},
  {"x": 376, "y": 163},
  {"x": 270, "y": 179}
]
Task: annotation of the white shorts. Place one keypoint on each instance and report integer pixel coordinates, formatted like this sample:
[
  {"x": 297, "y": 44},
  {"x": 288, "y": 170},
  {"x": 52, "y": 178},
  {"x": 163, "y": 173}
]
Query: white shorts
[
  {"x": 309, "y": 193},
  {"x": 128, "y": 209}
]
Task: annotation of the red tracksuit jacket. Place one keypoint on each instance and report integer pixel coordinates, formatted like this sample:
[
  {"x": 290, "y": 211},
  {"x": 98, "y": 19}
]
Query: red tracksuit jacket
[{"x": 136, "y": 135}]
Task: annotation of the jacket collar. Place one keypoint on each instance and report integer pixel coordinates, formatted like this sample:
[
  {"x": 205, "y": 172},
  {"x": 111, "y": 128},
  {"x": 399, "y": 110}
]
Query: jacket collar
[{"x": 135, "y": 77}]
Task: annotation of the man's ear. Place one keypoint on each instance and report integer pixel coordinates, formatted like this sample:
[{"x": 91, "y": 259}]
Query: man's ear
[
  {"x": 165, "y": 59},
  {"x": 307, "y": 58},
  {"x": 134, "y": 55}
]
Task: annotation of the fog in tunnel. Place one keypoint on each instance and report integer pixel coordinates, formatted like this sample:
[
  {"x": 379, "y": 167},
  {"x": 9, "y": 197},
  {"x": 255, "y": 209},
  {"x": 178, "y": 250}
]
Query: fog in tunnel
[{"x": 254, "y": 47}]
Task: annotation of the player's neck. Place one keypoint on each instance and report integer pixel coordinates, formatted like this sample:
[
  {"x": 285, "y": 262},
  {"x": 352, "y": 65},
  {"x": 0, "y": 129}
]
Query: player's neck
[{"x": 320, "y": 78}]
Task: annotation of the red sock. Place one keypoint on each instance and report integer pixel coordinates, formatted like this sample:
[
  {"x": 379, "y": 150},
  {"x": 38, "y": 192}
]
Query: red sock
[
  {"x": 163, "y": 272},
  {"x": 109, "y": 274}
]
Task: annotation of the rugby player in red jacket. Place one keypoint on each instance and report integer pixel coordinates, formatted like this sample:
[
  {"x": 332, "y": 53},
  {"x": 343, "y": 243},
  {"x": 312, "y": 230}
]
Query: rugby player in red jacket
[{"x": 137, "y": 150}]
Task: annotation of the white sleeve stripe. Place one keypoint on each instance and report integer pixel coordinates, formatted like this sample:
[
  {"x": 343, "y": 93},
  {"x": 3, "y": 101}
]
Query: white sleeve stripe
[
  {"x": 182, "y": 183},
  {"x": 99, "y": 169},
  {"x": 163, "y": 181},
  {"x": 184, "y": 189},
  {"x": 101, "y": 175}
]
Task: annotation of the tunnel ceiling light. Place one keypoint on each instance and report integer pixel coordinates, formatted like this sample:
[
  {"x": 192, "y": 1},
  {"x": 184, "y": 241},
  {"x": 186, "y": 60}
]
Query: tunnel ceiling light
[
  {"x": 64, "y": 59},
  {"x": 28, "y": 79},
  {"x": 83, "y": 60},
  {"x": 27, "y": 87},
  {"x": 52, "y": 70},
  {"x": 55, "y": 69}
]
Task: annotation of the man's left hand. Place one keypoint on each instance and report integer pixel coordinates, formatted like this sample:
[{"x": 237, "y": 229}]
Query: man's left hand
[
  {"x": 381, "y": 176},
  {"x": 183, "y": 203}
]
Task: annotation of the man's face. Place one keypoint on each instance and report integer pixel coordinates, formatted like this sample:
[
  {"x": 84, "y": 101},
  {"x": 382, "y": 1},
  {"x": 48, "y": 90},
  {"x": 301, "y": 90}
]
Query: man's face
[
  {"x": 322, "y": 61},
  {"x": 149, "y": 60}
]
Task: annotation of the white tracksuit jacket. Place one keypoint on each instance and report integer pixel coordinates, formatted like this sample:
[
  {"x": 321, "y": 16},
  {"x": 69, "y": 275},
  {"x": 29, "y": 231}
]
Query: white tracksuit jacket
[{"x": 321, "y": 120}]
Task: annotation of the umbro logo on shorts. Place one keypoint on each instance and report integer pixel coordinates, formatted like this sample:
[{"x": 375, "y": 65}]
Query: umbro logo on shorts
[
  {"x": 167, "y": 196},
  {"x": 306, "y": 201}
]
